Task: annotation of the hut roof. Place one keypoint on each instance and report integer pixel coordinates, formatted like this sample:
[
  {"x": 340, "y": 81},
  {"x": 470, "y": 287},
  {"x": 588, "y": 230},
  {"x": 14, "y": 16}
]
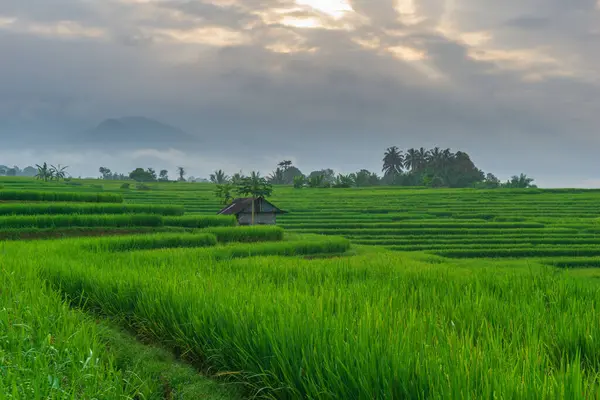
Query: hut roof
[{"x": 241, "y": 204}]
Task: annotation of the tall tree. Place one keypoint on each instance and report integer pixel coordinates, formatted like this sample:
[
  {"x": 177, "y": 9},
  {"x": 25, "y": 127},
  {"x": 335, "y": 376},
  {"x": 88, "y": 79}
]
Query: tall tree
[
  {"x": 163, "y": 176},
  {"x": 393, "y": 161},
  {"x": 412, "y": 160},
  {"x": 106, "y": 173},
  {"x": 181, "y": 172},
  {"x": 256, "y": 187},
  {"x": 285, "y": 164},
  {"x": 219, "y": 177}
]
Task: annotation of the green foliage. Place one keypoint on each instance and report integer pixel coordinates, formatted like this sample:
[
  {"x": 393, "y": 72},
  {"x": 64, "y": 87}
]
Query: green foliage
[
  {"x": 163, "y": 176},
  {"x": 44, "y": 172},
  {"x": 125, "y": 186},
  {"x": 224, "y": 193},
  {"x": 521, "y": 182},
  {"x": 219, "y": 177},
  {"x": 431, "y": 168},
  {"x": 254, "y": 186},
  {"x": 299, "y": 181},
  {"x": 141, "y": 175}
]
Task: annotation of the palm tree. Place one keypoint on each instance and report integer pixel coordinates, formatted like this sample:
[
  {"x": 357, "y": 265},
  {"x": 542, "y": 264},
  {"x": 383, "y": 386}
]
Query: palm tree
[
  {"x": 256, "y": 187},
  {"x": 277, "y": 177},
  {"x": 392, "y": 161},
  {"x": 423, "y": 156},
  {"x": 412, "y": 160},
  {"x": 435, "y": 157},
  {"x": 224, "y": 192},
  {"x": 58, "y": 172},
  {"x": 43, "y": 172},
  {"x": 219, "y": 177}
]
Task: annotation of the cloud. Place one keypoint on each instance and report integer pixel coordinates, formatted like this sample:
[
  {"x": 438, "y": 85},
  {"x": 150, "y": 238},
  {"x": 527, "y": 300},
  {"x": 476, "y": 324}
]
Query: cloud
[{"x": 331, "y": 82}]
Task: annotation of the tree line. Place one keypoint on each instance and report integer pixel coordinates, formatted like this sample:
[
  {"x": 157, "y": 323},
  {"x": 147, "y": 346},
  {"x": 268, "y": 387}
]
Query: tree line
[
  {"x": 434, "y": 167},
  {"x": 416, "y": 167},
  {"x": 29, "y": 171}
]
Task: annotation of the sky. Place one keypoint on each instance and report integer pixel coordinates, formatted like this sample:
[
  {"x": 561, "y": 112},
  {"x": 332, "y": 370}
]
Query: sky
[{"x": 324, "y": 83}]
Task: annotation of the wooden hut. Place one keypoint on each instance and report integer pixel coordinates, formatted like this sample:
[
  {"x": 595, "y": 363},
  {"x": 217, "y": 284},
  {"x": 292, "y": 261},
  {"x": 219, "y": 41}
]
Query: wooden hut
[{"x": 265, "y": 213}]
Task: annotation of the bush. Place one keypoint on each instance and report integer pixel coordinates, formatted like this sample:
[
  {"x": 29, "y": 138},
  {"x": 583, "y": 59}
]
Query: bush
[{"x": 125, "y": 185}]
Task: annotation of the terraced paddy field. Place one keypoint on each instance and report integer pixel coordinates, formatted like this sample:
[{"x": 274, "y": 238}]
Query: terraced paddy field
[{"x": 419, "y": 294}]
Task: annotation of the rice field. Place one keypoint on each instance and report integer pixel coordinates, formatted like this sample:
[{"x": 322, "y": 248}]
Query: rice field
[{"x": 377, "y": 293}]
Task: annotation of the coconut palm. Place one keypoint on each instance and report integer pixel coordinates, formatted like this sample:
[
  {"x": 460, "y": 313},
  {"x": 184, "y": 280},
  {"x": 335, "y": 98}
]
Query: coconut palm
[
  {"x": 423, "y": 155},
  {"x": 393, "y": 161},
  {"x": 412, "y": 160},
  {"x": 435, "y": 157},
  {"x": 219, "y": 177}
]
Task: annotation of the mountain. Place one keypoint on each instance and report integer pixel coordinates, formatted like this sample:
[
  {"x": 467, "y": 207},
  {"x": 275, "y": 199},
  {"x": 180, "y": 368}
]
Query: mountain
[{"x": 138, "y": 132}]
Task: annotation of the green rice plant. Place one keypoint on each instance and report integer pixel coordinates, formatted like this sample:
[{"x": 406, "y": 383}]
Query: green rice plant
[
  {"x": 200, "y": 221},
  {"x": 85, "y": 231},
  {"x": 74, "y": 220},
  {"x": 91, "y": 208},
  {"x": 433, "y": 232},
  {"x": 422, "y": 225},
  {"x": 247, "y": 233},
  {"x": 374, "y": 326},
  {"x": 147, "y": 242},
  {"x": 25, "y": 195},
  {"x": 527, "y": 252},
  {"x": 50, "y": 351}
]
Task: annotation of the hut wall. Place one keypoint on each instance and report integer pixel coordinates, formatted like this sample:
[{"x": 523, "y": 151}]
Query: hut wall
[{"x": 259, "y": 218}]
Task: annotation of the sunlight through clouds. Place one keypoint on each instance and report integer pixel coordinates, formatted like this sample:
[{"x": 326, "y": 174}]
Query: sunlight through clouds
[
  {"x": 407, "y": 12},
  {"x": 337, "y": 9}
]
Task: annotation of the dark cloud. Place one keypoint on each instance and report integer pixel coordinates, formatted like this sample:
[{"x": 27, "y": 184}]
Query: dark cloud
[{"x": 512, "y": 83}]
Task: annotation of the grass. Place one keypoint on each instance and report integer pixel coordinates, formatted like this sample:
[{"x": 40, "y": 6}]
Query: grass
[
  {"x": 51, "y": 208},
  {"x": 27, "y": 195},
  {"x": 367, "y": 293},
  {"x": 111, "y": 220},
  {"x": 52, "y": 351},
  {"x": 146, "y": 242},
  {"x": 374, "y": 325}
]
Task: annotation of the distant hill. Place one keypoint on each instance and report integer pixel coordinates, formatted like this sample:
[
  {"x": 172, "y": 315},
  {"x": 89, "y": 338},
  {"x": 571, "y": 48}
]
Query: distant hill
[{"x": 136, "y": 131}]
